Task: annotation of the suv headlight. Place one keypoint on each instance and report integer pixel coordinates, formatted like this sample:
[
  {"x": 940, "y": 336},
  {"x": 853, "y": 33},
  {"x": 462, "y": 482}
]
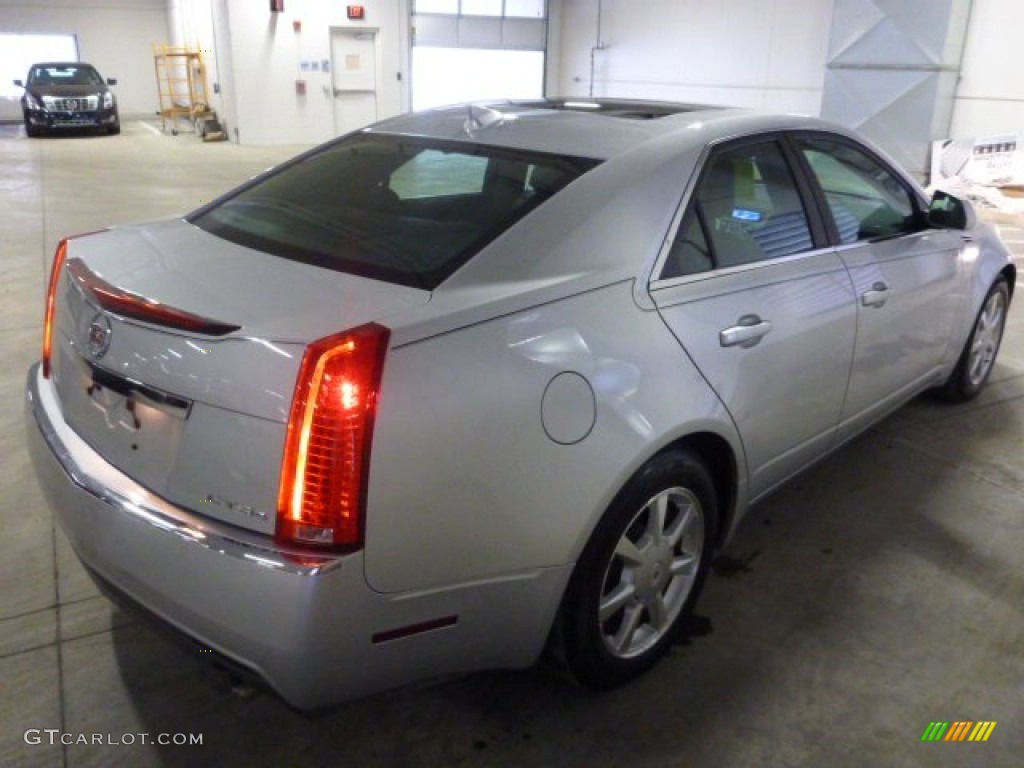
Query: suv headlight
[
  {"x": 108, "y": 100},
  {"x": 32, "y": 102}
]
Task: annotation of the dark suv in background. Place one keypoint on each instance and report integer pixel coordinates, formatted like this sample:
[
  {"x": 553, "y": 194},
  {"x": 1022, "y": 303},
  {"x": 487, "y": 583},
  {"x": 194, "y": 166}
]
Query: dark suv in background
[{"x": 68, "y": 95}]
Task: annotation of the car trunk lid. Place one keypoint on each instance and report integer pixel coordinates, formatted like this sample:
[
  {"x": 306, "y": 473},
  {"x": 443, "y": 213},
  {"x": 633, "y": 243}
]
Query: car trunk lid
[{"x": 196, "y": 413}]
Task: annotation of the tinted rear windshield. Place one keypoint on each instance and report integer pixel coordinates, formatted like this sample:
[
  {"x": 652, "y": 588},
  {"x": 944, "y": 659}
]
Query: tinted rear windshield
[{"x": 404, "y": 210}]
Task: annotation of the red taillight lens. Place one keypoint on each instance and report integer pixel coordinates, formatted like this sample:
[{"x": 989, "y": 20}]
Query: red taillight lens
[
  {"x": 322, "y": 497},
  {"x": 51, "y": 299}
]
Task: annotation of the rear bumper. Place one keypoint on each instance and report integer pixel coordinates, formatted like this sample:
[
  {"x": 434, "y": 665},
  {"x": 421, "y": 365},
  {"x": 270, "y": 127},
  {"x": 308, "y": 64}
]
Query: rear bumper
[{"x": 313, "y": 630}]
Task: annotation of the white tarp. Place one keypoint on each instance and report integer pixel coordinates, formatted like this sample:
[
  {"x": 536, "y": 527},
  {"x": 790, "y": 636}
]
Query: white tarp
[{"x": 989, "y": 170}]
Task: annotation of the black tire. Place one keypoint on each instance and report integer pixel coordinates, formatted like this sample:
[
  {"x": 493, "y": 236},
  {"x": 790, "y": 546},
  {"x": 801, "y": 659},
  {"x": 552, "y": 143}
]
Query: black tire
[
  {"x": 628, "y": 567},
  {"x": 979, "y": 353},
  {"x": 31, "y": 131},
  {"x": 114, "y": 129}
]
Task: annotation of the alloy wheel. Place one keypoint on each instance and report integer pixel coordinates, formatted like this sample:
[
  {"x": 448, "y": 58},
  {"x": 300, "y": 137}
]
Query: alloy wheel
[
  {"x": 651, "y": 572},
  {"x": 988, "y": 333}
]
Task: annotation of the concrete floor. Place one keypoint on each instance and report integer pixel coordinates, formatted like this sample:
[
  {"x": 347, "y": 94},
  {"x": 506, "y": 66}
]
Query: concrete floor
[{"x": 880, "y": 592}]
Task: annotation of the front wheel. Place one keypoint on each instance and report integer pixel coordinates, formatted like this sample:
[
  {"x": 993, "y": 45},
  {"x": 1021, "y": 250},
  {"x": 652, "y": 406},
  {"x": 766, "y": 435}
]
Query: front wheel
[
  {"x": 979, "y": 353},
  {"x": 641, "y": 572}
]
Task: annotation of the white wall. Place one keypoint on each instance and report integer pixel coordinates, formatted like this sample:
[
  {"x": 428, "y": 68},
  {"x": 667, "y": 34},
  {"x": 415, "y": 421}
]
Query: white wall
[
  {"x": 203, "y": 25},
  {"x": 265, "y": 61},
  {"x": 763, "y": 54},
  {"x": 990, "y": 95},
  {"x": 116, "y": 36}
]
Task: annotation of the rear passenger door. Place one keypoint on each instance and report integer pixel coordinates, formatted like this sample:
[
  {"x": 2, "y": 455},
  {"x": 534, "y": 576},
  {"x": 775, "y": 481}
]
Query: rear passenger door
[
  {"x": 762, "y": 304},
  {"x": 904, "y": 275}
]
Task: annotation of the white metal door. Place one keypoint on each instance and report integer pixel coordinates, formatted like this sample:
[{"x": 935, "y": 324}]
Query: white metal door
[{"x": 354, "y": 78}]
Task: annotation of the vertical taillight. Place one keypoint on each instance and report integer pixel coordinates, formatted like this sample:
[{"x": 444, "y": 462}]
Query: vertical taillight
[
  {"x": 324, "y": 473},
  {"x": 51, "y": 299}
]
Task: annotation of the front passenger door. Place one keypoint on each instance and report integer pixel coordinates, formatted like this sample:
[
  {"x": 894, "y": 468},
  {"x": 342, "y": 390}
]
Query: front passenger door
[{"x": 903, "y": 273}]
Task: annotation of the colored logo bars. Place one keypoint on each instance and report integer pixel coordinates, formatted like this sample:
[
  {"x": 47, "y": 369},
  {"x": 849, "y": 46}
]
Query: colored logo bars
[{"x": 960, "y": 730}]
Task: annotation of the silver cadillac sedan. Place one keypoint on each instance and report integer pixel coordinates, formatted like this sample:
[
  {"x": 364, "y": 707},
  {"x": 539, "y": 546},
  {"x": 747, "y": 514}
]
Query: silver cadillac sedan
[{"x": 488, "y": 380}]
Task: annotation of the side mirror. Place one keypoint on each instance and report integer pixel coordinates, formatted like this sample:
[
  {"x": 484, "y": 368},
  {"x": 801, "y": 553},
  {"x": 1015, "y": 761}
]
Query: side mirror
[
  {"x": 948, "y": 212},
  {"x": 19, "y": 83},
  {"x": 111, "y": 81}
]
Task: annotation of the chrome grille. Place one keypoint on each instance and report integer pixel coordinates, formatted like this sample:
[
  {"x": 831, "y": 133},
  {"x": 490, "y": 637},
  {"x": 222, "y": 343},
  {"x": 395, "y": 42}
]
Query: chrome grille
[{"x": 74, "y": 104}]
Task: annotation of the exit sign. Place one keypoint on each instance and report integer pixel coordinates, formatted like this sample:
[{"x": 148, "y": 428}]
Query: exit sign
[{"x": 357, "y": 12}]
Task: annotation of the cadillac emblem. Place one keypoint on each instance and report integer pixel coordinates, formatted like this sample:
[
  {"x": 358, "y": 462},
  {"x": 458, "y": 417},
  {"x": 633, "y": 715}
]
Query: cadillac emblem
[{"x": 97, "y": 336}]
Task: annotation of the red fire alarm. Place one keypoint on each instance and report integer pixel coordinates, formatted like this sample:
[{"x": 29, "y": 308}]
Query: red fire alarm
[{"x": 357, "y": 12}]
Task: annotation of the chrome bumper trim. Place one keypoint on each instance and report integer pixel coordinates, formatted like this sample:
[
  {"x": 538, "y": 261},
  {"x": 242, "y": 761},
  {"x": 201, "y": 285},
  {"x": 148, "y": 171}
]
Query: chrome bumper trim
[{"x": 145, "y": 507}]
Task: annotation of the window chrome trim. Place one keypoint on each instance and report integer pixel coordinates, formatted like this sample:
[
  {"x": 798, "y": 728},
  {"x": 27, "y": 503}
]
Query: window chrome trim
[
  {"x": 870, "y": 242},
  {"x": 712, "y": 274}
]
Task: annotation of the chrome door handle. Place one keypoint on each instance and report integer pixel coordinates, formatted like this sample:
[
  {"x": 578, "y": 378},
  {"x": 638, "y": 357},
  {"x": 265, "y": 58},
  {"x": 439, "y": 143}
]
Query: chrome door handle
[
  {"x": 746, "y": 334},
  {"x": 877, "y": 296}
]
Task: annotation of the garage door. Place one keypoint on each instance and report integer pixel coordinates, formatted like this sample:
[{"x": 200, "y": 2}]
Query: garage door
[
  {"x": 17, "y": 54},
  {"x": 466, "y": 50}
]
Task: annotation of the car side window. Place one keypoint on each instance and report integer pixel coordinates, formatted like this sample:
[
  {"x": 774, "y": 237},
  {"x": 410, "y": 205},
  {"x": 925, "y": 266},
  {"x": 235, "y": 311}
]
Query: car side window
[
  {"x": 690, "y": 252},
  {"x": 867, "y": 200},
  {"x": 746, "y": 208}
]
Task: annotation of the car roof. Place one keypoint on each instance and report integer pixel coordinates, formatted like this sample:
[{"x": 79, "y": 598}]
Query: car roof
[{"x": 594, "y": 128}]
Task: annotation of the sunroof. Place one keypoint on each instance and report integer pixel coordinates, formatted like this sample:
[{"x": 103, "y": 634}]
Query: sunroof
[{"x": 625, "y": 108}]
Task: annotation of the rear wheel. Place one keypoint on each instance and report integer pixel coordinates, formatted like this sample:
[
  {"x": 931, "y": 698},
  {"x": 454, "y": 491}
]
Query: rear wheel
[
  {"x": 979, "y": 353},
  {"x": 641, "y": 572}
]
